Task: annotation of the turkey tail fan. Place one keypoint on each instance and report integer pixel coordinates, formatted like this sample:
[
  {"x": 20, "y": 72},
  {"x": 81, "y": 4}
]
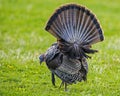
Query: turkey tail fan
[{"x": 76, "y": 29}]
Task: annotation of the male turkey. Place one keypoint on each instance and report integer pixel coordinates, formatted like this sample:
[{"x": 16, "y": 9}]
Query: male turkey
[{"x": 75, "y": 29}]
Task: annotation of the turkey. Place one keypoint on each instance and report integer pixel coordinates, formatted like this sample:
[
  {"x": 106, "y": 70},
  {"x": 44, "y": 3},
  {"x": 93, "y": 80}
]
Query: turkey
[{"x": 76, "y": 30}]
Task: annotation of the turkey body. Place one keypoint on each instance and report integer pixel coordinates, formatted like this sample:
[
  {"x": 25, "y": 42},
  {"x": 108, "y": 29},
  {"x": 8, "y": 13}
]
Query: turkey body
[
  {"x": 76, "y": 30},
  {"x": 67, "y": 69}
]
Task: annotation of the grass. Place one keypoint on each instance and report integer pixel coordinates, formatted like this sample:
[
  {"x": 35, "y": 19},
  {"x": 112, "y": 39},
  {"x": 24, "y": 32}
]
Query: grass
[{"x": 23, "y": 38}]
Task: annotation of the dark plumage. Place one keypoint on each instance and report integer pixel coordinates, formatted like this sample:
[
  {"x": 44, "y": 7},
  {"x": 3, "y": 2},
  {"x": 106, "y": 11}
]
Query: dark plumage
[
  {"x": 67, "y": 69},
  {"x": 76, "y": 29}
]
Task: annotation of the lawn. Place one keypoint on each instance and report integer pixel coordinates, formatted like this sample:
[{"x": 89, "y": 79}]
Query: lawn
[{"x": 23, "y": 39}]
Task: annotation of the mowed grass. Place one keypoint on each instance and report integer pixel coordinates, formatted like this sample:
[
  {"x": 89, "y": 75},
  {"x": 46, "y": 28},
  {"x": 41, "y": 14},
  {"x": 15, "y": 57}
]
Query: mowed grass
[{"x": 23, "y": 39}]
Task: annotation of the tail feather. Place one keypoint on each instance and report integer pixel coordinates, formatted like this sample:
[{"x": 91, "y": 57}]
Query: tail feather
[{"x": 72, "y": 25}]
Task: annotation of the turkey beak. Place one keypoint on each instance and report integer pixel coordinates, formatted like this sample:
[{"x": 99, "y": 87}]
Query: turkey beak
[{"x": 41, "y": 62}]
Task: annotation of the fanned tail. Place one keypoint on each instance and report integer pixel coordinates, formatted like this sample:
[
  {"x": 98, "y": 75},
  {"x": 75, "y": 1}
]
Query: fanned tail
[{"x": 76, "y": 29}]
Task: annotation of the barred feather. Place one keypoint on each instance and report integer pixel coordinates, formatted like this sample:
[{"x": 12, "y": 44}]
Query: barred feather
[
  {"x": 67, "y": 69},
  {"x": 74, "y": 25},
  {"x": 76, "y": 29}
]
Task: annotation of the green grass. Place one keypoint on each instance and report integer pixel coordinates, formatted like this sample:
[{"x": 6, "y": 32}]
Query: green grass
[{"x": 23, "y": 38}]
